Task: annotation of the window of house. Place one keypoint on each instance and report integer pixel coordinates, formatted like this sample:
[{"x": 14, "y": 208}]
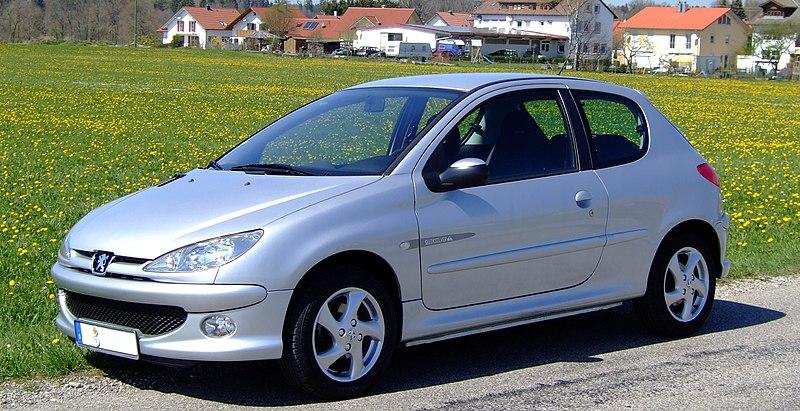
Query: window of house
[
  {"x": 688, "y": 41},
  {"x": 616, "y": 127},
  {"x": 727, "y": 39},
  {"x": 672, "y": 41},
  {"x": 519, "y": 135},
  {"x": 519, "y": 23},
  {"x": 724, "y": 19},
  {"x": 180, "y": 25},
  {"x": 596, "y": 8},
  {"x": 711, "y": 39},
  {"x": 541, "y": 23},
  {"x": 603, "y": 48},
  {"x": 395, "y": 37},
  {"x": 192, "y": 26},
  {"x": 561, "y": 47},
  {"x": 596, "y": 26},
  {"x": 586, "y": 27},
  {"x": 544, "y": 46},
  {"x": 251, "y": 26},
  {"x": 774, "y": 13},
  {"x": 595, "y": 48},
  {"x": 585, "y": 47}
]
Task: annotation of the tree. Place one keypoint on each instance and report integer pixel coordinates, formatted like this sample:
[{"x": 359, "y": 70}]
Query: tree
[
  {"x": 277, "y": 18},
  {"x": 775, "y": 39},
  {"x": 308, "y": 7},
  {"x": 738, "y": 9},
  {"x": 175, "y": 5},
  {"x": 21, "y": 20},
  {"x": 583, "y": 27},
  {"x": 631, "y": 46}
]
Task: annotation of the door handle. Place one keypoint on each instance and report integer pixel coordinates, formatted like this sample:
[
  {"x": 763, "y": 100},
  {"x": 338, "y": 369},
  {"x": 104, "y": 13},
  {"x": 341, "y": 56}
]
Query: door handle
[{"x": 583, "y": 199}]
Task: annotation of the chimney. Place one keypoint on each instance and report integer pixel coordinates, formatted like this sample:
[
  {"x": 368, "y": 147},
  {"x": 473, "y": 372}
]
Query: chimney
[
  {"x": 450, "y": 11},
  {"x": 683, "y": 7},
  {"x": 335, "y": 13},
  {"x": 208, "y": 7}
]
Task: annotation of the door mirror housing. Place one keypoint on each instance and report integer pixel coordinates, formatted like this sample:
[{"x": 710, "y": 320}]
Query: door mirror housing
[{"x": 467, "y": 172}]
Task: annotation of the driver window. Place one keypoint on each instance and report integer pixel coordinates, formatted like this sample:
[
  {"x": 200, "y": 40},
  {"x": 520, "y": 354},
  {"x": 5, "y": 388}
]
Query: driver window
[{"x": 519, "y": 135}]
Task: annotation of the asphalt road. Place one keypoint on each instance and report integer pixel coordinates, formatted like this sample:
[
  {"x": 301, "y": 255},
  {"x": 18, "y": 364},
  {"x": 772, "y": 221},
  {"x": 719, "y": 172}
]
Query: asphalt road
[{"x": 747, "y": 356}]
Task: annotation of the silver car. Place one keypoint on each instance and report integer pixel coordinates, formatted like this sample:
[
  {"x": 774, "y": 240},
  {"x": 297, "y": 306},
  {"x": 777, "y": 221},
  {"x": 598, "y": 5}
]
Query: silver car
[{"x": 400, "y": 212}]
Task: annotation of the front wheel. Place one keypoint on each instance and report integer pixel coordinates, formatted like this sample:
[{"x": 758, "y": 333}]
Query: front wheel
[
  {"x": 680, "y": 287},
  {"x": 340, "y": 334}
]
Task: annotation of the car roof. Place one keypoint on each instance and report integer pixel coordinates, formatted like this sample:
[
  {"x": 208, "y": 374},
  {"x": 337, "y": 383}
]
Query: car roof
[{"x": 461, "y": 81}]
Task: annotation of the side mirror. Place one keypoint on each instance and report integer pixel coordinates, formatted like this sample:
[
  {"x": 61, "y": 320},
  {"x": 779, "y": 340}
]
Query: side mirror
[{"x": 467, "y": 172}]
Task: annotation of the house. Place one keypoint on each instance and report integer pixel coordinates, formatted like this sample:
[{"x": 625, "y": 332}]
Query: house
[
  {"x": 388, "y": 39},
  {"x": 200, "y": 27},
  {"x": 537, "y": 17},
  {"x": 325, "y": 33},
  {"x": 700, "y": 39},
  {"x": 256, "y": 26},
  {"x": 772, "y": 14},
  {"x": 448, "y": 18}
]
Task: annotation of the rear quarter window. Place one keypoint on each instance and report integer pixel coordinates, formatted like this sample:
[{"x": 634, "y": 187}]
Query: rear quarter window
[{"x": 615, "y": 126}]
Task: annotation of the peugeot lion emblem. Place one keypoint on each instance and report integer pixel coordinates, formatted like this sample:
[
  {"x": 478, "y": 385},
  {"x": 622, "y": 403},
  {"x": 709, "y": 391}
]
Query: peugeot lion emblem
[{"x": 100, "y": 262}]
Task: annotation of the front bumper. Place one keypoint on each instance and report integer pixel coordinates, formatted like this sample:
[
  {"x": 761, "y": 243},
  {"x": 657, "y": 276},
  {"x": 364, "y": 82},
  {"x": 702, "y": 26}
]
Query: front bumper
[{"x": 259, "y": 316}]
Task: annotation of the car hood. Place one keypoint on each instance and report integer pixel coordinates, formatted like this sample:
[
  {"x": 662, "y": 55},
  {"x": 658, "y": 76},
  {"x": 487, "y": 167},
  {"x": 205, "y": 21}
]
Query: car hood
[{"x": 201, "y": 205}]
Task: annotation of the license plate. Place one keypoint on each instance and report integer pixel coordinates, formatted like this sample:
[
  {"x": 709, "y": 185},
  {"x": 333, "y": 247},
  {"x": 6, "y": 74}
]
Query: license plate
[{"x": 109, "y": 340}]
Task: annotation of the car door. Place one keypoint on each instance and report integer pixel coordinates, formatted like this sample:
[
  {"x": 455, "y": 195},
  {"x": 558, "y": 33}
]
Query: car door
[{"x": 537, "y": 225}]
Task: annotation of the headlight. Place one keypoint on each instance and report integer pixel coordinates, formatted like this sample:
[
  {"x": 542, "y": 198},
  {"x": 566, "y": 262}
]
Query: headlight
[
  {"x": 205, "y": 254},
  {"x": 63, "y": 249}
]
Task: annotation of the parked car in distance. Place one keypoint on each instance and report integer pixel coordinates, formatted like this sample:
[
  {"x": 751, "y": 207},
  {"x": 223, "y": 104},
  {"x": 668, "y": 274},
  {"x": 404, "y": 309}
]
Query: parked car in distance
[
  {"x": 414, "y": 50},
  {"x": 400, "y": 212},
  {"x": 504, "y": 54},
  {"x": 370, "y": 52},
  {"x": 343, "y": 51},
  {"x": 444, "y": 49}
]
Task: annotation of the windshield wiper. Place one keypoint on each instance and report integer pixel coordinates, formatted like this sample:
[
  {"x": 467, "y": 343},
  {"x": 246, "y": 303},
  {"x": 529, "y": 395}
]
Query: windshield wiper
[
  {"x": 272, "y": 168},
  {"x": 214, "y": 165}
]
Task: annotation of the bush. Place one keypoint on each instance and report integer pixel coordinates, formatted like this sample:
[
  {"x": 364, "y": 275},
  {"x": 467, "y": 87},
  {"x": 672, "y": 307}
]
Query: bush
[
  {"x": 149, "y": 41},
  {"x": 177, "y": 41}
]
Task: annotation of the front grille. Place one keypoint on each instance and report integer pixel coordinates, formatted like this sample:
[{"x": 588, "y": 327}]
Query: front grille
[
  {"x": 150, "y": 319},
  {"x": 117, "y": 258}
]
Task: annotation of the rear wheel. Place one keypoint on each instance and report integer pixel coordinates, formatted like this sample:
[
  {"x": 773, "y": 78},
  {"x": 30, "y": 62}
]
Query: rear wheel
[
  {"x": 680, "y": 288},
  {"x": 340, "y": 334}
]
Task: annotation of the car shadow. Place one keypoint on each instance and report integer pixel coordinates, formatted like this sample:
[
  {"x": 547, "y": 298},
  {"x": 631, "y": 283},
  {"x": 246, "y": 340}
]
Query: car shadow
[{"x": 581, "y": 338}]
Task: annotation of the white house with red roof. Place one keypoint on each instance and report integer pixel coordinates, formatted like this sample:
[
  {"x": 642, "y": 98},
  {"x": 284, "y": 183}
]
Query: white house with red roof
[
  {"x": 699, "y": 39},
  {"x": 199, "y": 26}
]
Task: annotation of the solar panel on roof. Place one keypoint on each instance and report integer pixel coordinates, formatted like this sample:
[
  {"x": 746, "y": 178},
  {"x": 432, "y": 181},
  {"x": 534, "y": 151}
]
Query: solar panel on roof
[{"x": 311, "y": 25}]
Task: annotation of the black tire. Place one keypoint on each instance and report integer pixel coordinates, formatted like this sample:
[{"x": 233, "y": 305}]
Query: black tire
[
  {"x": 652, "y": 308},
  {"x": 298, "y": 361}
]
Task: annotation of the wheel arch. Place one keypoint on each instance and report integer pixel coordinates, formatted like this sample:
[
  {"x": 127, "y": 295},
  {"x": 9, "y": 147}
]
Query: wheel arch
[
  {"x": 374, "y": 263},
  {"x": 705, "y": 231}
]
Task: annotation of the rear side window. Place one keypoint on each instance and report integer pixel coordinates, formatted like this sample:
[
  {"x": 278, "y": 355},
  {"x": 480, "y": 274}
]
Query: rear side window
[{"x": 616, "y": 127}]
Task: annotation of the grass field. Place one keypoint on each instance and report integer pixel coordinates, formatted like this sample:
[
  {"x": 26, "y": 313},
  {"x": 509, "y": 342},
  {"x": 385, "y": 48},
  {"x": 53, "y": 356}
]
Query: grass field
[{"x": 81, "y": 125}]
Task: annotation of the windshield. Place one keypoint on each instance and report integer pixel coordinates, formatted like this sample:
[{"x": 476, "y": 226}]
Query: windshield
[{"x": 352, "y": 132}]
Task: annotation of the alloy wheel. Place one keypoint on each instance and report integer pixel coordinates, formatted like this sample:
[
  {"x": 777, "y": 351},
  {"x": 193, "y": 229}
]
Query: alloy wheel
[
  {"x": 348, "y": 334},
  {"x": 686, "y": 284}
]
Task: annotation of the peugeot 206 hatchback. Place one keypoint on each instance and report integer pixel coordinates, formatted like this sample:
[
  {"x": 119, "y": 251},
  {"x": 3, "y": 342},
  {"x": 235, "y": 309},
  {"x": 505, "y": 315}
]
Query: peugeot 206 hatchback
[{"x": 400, "y": 212}]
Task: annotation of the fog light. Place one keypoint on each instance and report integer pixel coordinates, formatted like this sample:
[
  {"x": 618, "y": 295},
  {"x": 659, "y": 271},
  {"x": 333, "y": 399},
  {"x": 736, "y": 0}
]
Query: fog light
[{"x": 218, "y": 325}]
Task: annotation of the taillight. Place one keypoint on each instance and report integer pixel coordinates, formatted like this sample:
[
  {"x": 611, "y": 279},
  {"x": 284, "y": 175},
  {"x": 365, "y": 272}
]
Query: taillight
[{"x": 708, "y": 173}]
